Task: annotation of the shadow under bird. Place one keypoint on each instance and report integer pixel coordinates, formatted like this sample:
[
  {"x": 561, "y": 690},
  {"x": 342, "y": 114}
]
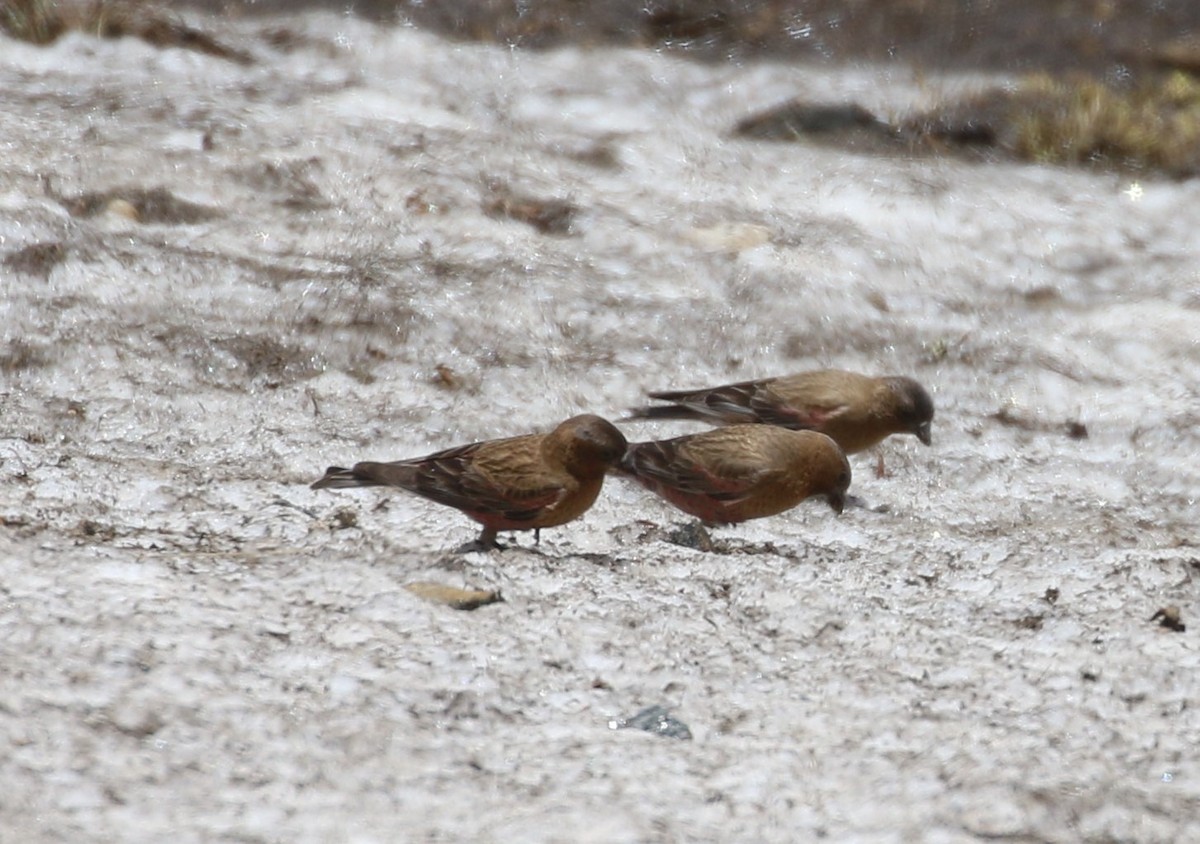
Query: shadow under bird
[
  {"x": 740, "y": 472},
  {"x": 857, "y": 411},
  {"x": 517, "y": 483}
]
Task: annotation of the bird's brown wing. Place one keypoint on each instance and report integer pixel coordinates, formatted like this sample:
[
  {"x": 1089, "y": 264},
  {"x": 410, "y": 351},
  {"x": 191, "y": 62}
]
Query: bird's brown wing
[
  {"x": 679, "y": 465},
  {"x": 785, "y": 402},
  {"x": 809, "y": 400},
  {"x": 496, "y": 478}
]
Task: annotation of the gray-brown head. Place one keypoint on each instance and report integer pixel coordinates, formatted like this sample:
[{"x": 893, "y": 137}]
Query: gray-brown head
[
  {"x": 588, "y": 445},
  {"x": 912, "y": 407},
  {"x": 828, "y": 471}
]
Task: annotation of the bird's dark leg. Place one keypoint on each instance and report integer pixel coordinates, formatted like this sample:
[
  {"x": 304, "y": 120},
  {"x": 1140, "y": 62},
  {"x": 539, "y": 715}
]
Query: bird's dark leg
[
  {"x": 537, "y": 536},
  {"x": 486, "y": 541}
]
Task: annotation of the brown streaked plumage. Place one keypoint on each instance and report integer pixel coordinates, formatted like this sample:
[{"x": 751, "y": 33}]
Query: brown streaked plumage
[
  {"x": 858, "y": 411},
  {"x": 740, "y": 472},
  {"x": 518, "y": 483}
]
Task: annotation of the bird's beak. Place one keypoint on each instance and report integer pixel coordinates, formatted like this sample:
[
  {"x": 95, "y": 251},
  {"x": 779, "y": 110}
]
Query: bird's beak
[
  {"x": 837, "y": 502},
  {"x": 923, "y": 433}
]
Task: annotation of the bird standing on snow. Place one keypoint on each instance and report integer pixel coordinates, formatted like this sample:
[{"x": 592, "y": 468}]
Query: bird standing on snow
[
  {"x": 740, "y": 472},
  {"x": 857, "y": 411},
  {"x": 518, "y": 483}
]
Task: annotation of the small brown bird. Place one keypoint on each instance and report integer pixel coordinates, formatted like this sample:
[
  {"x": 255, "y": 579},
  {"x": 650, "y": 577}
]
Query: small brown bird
[
  {"x": 518, "y": 483},
  {"x": 740, "y": 472},
  {"x": 858, "y": 411}
]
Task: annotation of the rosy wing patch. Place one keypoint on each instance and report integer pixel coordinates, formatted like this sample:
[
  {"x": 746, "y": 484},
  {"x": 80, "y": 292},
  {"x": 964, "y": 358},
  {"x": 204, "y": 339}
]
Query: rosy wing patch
[
  {"x": 691, "y": 487},
  {"x": 771, "y": 409}
]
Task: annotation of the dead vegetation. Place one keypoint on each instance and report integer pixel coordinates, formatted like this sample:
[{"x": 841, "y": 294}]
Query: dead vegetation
[
  {"x": 1152, "y": 125},
  {"x": 37, "y": 259},
  {"x": 21, "y": 355},
  {"x": 547, "y": 215},
  {"x": 453, "y": 596},
  {"x": 44, "y": 21},
  {"x": 232, "y": 361},
  {"x": 1011, "y": 417},
  {"x": 930, "y": 35},
  {"x": 152, "y": 205},
  {"x": 289, "y": 184}
]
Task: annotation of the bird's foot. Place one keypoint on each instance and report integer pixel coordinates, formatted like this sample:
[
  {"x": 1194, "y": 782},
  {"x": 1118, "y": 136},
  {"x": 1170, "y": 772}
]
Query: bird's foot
[{"x": 476, "y": 545}]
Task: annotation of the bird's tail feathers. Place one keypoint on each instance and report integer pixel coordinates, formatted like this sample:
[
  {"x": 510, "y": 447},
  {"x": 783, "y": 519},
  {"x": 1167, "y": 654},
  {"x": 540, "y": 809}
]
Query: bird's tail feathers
[
  {"x": 665, "y": 411},
  {"x": 363, "y": 474}
]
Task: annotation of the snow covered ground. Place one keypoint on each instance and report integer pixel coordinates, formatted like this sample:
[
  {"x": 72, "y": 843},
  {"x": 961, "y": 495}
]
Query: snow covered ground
[{"x": 196, "y": 645}]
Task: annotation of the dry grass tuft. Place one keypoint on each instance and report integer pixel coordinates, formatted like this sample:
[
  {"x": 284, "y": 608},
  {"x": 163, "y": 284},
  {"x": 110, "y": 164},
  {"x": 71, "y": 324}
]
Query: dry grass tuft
[
  {"x": 35, "y": 21},
  {"x": 43, "y": 21},
  {"x": 1153, "y": 125}
]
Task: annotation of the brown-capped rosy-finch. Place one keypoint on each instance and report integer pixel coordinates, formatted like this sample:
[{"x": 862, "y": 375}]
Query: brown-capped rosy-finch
[
  {"x": 857, "y": 411},
  {"x": 518, "y": 483},
  {"x": 740, "y": 472}
]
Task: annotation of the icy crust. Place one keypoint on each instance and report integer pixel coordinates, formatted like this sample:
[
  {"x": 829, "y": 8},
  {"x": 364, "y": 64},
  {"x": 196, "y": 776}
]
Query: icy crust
[{"x": 197, "y": 645}]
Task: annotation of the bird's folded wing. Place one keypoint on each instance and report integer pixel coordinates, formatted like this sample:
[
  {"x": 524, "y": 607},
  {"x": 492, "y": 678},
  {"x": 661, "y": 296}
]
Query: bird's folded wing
[
  {"x": 719, "y": 477},
  {"x": 453, "y": 481}
]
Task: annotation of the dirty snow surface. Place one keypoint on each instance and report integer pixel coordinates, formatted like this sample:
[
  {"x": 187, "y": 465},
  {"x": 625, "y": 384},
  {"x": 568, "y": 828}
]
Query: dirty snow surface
[{"x": 219, "y": 278}]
